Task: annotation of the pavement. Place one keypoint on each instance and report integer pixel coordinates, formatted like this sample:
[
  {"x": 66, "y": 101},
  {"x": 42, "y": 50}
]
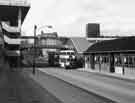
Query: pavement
[
  {"x": 17, "y": 87},
  {"x": 114, "y": 75},
  {"x": 115, "y": 87}
]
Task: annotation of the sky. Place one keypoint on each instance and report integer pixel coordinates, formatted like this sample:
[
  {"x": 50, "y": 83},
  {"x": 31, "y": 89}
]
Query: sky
[{"x": 69, "y": 17}]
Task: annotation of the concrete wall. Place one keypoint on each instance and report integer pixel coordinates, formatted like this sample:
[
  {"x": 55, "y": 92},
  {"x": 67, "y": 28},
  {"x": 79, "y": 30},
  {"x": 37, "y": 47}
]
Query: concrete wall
[
  {"x": 130, "y": 71},
  {"x": 105, "y": 67},
  {"x": 87, "y": 65}
]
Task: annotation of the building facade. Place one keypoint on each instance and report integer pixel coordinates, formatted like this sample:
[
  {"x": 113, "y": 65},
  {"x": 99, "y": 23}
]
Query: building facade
[
  {"x": 112, "y": 56},
  {"x": 12, "y": 16}
]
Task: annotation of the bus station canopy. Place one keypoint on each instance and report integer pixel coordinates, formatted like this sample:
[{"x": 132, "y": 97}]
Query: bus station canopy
[{"x": 124, "y": 44}]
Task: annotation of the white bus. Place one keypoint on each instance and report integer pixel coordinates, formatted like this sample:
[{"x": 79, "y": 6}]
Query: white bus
[{"x": 67, "y": 59}]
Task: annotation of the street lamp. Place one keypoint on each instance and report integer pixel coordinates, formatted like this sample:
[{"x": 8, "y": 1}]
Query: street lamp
[
  {"x": 35, "y": 31},
  {"x": 44, "y": 26}
]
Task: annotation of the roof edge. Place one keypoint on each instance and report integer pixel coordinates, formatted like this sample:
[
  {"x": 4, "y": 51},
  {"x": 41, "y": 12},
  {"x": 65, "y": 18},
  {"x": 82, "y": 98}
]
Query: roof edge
[{"x": 20, "y": 3}]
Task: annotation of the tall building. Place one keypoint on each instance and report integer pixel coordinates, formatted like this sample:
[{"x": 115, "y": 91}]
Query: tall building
[
  {"x": 50, "y": 44},
  {"x": 92, "y": 30},
  {"x": 93, "y": 33},
  {"x": 50, "y": 41}
]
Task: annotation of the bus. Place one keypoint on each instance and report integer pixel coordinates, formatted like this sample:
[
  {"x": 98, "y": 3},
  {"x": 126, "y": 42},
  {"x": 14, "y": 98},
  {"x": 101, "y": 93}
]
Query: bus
[
  {"x": 67, "y": 59},
  {"x": 53, "y": 58}
]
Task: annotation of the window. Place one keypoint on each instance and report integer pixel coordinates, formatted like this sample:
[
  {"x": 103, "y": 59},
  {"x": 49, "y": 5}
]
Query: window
[
  {"x": 117, "y": 60},
  {"x": 105, "y": 59},
  {"x": 97, "y": 59},
  {"x": 101, "y": 59},
  {"x": 133, "y": 60},
  {"x": 129, "y": 60}
]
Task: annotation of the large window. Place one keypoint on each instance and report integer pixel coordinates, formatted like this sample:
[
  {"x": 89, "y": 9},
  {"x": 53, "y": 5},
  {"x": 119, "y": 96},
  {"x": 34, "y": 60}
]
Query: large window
[
  {"x": 97, "y": 59},
  {"x": 105, "y": 59},
  {"x": 129, "y": 61},
  {"x": 125, "y": 60},
  {"x": 101, "y": 59},
  {"x": 117, "y": 60}
]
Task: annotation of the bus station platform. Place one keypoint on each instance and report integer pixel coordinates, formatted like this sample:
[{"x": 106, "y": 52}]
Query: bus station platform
[{"x": 113, "y": 75}]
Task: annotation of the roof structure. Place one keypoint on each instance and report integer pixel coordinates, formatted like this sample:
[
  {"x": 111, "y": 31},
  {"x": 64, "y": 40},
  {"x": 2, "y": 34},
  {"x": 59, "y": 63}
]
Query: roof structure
[
  {"x": 15, "y": 2},
  {"x": 9, "y": 9},
  {"x": 80, "y": 44},
  {"x": 125, "y": 44}
]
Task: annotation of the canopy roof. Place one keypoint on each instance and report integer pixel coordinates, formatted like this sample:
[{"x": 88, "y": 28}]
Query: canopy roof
[{"x": 125, "y": 44}]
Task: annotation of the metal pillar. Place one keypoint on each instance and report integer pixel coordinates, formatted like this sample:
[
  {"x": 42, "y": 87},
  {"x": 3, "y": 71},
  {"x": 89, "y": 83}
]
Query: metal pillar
[{"x": 19, "y": 19}]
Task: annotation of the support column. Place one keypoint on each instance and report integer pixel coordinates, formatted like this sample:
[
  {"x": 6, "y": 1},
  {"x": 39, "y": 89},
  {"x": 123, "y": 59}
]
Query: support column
[
  {"x": 123, "y": 69},
  {"x": 112, "y": 69},
  {"x": 19, "y": 18},
  {"x": 92, "y": 62}
]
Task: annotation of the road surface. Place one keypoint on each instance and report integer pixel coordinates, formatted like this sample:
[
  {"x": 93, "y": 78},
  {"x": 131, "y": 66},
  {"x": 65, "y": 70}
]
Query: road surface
[
  {"x": 66, "y": 92},
  {"x": 19, "y": 87},
  {"x": 114, "y": 88}
]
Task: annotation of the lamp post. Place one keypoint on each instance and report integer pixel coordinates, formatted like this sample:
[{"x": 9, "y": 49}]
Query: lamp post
[
  {"x": 44, "y": 26},
  {"x": 34, "y": 56}
]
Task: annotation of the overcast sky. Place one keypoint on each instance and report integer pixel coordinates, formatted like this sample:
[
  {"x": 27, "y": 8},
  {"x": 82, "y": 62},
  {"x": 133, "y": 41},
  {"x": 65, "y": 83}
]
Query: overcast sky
[{"x": 69, "y": 17}]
